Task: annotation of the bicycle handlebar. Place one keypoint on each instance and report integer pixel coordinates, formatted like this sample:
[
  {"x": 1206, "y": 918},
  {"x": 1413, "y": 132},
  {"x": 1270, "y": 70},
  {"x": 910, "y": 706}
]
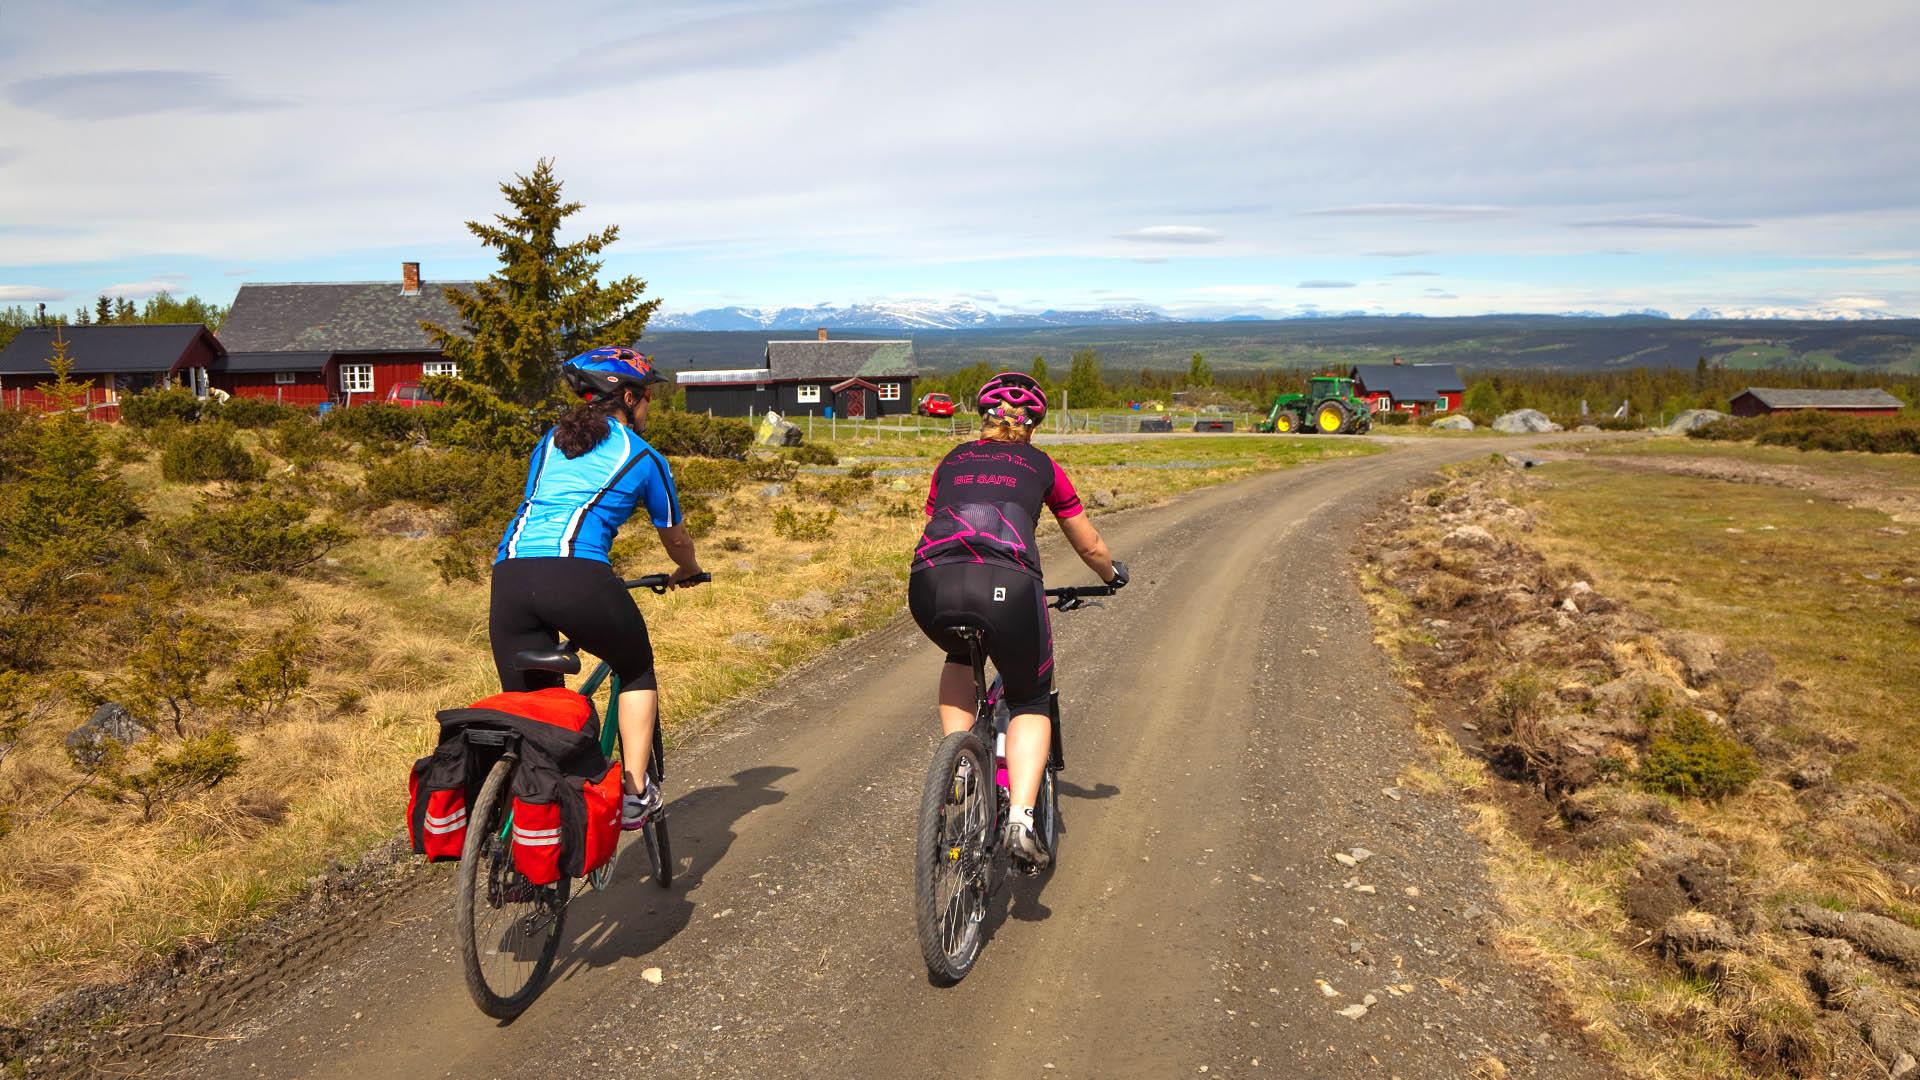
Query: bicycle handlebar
[
  {"x": 1070, "y": 597},
  {"x": 660, "y": 583}
]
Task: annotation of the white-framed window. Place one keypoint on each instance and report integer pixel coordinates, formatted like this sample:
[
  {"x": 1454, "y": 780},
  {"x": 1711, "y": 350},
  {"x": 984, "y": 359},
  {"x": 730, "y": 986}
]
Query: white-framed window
[
  {"x": 356, "y": 378},
  {"x": 283, "y": 378},
  {"x": 441, "y": 367},
  {"x": 807, "y": 394},
  {"x": 889, "y": 391},
  {"x": 1441, "y": 405}
]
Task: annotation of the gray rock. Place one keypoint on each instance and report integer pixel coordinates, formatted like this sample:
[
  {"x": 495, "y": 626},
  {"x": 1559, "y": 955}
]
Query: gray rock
[
  {"x": 1471, "y": 536},
  {"x": 1456, "y": 422},
  {"x": 1587, "y": 429},
  {"x": 1525, "y": 422},
  {"x": 813, "y": 605},
  {"x": 777, "y": 432},
  {"x": 747, "y": 639},
  {"x": 110, "y": 724},
  {"x": 1699, "y": 655},
  {"x": 1690, "y": 419},
  {"x": 773, "y": 491}
]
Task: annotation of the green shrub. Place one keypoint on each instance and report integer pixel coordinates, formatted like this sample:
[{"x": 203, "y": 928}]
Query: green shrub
[
  {"x": 383, "y": 425},
  {"x": 843, "y": 490},
  {"x": 862, "y": 471},
  {"x": 813, "y": 454},
  {"x": 685, "y": 434},
  {"x": 199, "y": 452},
  {"x": 1696, "y": 758},
  {"x": 1393, "y": 417},
  {"x": 775, "y": 470},
  {"x": 699, "y": 518},
  {"x": 794, "y": 525},
  {"x": 165, "y": 676},
  {"x": 251, "y": 412},
  {"x": 259, "y": 531},
  {"x": 707, "y": 476},
  {"x": 304, "y": 443},
  {"x": 480, "y": 488},
  {"x": 265, "y": 682},
  {"x": 151, "y": 408},
  {"x": 199, "y": 764},
  {"x": 1813, "y": 430}
]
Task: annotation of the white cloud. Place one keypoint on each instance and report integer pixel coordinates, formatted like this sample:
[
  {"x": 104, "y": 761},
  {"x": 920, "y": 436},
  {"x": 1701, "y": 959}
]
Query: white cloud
[
  {"x": 1175, "y": 234},
  {"x": 29, "y": 293},
  {"x": 1323, "y": 283},
  {"x": 145, "y": 290},
  {"x": 1857, "y": 303},
  {"x": 1658, "y": 221},
  {"x": 1421, "y": 211}
]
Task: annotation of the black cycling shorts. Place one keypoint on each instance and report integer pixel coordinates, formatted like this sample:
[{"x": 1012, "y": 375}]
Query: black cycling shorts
[
  {"x": 535, "y": 601},
  {"x": 1010, "y": 604}
]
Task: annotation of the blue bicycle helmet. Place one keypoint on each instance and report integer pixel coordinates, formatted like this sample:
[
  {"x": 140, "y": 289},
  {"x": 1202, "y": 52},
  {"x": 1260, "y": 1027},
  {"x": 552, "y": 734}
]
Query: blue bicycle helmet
[{"x": 609, "y": 369}]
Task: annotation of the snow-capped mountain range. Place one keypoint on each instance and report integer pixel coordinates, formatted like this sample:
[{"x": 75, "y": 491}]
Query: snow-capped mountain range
[{"x": 965, "y": 315}]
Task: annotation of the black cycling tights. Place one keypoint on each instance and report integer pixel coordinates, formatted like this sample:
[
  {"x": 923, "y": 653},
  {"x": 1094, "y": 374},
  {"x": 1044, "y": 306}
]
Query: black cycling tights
[
  {"x": 537, "y": 600},
  {"x": 1011, "y": 605}
]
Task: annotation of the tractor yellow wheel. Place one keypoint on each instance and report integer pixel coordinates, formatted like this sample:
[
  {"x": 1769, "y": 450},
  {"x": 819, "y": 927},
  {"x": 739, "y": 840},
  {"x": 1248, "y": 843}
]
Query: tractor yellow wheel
[
  {"x": 1332, "y": 420},
  {"x": 1283, "y": 424}
]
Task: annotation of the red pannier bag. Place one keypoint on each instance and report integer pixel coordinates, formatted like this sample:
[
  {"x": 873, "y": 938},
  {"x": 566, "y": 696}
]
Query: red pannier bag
[
  {"x": 537, "y": 840},
  {"x": 600, "y": 832},
  {"x": 556, "y": 705},
  {"x": 437, "y": 794},
  {"x": 574, "y": 834}
]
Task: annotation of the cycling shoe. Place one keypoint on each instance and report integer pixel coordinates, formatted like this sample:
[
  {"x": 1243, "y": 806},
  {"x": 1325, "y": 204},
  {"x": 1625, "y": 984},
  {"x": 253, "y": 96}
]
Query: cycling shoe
[{"x": 1025, "y": 849}]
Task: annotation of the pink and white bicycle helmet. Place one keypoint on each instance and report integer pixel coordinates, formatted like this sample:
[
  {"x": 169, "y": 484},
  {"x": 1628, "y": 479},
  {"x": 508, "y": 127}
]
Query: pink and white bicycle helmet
[{"x": 1011, "y": 390}]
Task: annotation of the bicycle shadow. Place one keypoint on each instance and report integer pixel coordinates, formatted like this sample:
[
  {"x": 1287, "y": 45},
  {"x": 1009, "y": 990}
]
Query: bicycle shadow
[
  {"x": 635, "y": 916},
  {"x": 1019, "y": 897}
]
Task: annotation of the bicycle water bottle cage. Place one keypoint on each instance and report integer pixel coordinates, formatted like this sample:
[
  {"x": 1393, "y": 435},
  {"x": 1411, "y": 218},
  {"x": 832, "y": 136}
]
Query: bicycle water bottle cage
[{"x": 563, "y": 661}]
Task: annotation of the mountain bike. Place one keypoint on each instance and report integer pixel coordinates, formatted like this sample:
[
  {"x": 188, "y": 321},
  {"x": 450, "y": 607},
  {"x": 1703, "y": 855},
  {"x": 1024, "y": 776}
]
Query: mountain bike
[
  {"x": 963, "y": 813},
  {"x": 509, "y": 928}
]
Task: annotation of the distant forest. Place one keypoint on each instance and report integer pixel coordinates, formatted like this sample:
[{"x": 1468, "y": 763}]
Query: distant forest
[{"x": 1480, "y": 342}]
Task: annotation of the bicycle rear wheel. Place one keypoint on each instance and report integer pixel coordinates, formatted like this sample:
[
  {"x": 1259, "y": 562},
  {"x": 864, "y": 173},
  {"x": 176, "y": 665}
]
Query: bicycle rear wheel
[
  {"x": 1046, "y": 816},
  {"x": 509, "y": 930},
  {"x": 952, "y": 872}
]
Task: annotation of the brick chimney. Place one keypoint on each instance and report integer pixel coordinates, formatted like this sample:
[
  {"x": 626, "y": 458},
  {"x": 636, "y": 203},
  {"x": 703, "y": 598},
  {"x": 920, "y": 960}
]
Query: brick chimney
[
  {"x": 823, "y": 333},
  {"x": 409, "y": 279}
]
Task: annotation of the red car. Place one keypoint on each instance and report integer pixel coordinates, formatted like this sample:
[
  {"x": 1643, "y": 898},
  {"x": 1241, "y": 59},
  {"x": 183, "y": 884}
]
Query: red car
[
  {"x": 411, "y": 395},
  {"x": 936, "y": 405}
]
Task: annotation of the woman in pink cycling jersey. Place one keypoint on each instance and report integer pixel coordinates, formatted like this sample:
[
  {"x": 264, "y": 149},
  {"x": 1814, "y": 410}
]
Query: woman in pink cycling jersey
[{"x": 978, "y": 564}]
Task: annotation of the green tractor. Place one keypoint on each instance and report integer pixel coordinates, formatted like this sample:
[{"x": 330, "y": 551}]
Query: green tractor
[{"x": 1328, "y": 407}]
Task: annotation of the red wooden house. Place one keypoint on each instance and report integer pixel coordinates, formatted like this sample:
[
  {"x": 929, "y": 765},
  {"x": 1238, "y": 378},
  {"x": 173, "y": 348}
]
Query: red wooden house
[
  {"x": 345, "y": 342},
  {"x": 111, "y": 361},
  {"x": 1414, "y": 388}
]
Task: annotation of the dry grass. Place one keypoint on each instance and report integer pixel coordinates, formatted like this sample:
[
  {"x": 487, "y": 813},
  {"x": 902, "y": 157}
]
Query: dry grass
[{"x": 88, "y": 893}]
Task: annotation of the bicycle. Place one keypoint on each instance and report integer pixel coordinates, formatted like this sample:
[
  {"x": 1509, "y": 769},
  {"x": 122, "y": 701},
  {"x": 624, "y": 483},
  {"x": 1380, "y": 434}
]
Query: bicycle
[
  {"x": 509, "y": 929},
  {"x": 962, "y": 818}
]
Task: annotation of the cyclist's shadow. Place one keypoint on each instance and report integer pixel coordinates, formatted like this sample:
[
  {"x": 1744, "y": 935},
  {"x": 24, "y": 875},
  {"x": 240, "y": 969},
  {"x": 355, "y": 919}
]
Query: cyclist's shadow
[
  {"x": 635, "y": 916},
  {"x": 1019, "y": 897}
]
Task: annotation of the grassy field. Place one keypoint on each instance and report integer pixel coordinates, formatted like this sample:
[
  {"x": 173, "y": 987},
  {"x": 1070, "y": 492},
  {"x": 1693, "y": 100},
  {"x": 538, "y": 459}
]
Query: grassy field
[{"x": 89, "y": 892}]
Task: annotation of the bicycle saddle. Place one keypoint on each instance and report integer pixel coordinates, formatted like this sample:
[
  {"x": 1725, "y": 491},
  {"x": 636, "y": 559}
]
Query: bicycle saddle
[{"x": 563, "y": 661}]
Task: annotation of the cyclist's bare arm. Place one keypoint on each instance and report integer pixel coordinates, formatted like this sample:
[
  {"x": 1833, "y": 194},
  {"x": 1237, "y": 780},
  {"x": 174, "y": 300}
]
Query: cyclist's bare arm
[
  {"x": 680, "y": 549},
  {"x": 1088, "y": 545}
]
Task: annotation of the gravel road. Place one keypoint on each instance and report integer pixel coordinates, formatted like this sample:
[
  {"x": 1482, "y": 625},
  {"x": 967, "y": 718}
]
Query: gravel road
[{"x": 1231, "y": 729}]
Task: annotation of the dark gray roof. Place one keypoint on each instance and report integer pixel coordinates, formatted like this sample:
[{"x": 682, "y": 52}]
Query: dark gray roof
[
  {"x": 840, "y": 359},
  {"x": 105, "y": 349},
  {"x": 364, "y": 316},
  {"x": 273, "y": 361},
  {"x": 1409, "y": 382},
  {"x": 1824, "y": 399}
]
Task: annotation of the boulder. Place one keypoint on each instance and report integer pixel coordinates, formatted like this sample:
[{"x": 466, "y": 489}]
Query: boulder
[
  {"x": 1471, "y": 536},
  {"x": 1690, "y": 419},
  {"x": 1525, "y": 422},
  {"x": 777, "y": 432},
  {"x": 110, "y": 724},
  {"x": 813, "y": 605},
  {"x": 1456, "y": 422}
]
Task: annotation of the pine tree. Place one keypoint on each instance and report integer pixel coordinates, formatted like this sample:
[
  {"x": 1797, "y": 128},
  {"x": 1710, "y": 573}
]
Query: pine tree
[
  {"x": 1085, "y": 389},
  {"x": 103, "y": 311},
  {"x": 1198, "y": 373},
  {"x": 124, "y": 311},
  {"x": 1039, "y": 370},
  {"x": 545, "y": 303}
]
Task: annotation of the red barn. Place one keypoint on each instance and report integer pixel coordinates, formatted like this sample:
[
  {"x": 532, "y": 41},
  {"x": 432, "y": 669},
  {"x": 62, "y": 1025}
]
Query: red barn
[
  {"x": 1414, "y": 388},
  {"x": 345, "y": 342},
  {"x": 1761, "y": 400},
  {"x": 111, "y": 360}
]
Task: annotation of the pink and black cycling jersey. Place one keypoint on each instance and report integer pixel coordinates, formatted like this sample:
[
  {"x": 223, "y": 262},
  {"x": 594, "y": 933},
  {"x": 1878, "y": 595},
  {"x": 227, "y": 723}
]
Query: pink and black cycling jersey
[{"x": 985, "y": 503}]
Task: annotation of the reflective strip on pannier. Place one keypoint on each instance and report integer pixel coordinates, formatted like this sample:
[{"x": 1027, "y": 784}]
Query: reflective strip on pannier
[{"x": 537, "y": 841}]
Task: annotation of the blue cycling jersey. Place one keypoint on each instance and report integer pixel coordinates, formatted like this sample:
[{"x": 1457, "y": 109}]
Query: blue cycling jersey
[{"x": 574, "y": 506}]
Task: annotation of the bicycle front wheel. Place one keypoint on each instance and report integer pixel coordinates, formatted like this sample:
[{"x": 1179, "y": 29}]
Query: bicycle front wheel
[
  {"x": 659, "y": 848},
  {"x": 951, "y": 873},
  {"x": 509, "y": 929}
]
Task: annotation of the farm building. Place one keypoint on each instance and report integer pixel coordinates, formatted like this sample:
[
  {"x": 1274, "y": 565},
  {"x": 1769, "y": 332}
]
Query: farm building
[
  {"x": 848, "y": 379},
  {"x": 345, "y": 342},
  {"x": 1414, "y": 388},
  {"x": 111, "y": 360},
  {"x": 1761, "y": 400}
]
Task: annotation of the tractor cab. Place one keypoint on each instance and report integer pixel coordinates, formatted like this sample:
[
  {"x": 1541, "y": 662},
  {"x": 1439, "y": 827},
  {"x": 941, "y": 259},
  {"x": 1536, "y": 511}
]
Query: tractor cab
[{"x": 1322, "y": 387}]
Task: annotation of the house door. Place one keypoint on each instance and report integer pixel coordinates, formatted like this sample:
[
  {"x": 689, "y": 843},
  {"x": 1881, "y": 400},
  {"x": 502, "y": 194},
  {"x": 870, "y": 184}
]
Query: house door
[{"x": 856, "y": 404}]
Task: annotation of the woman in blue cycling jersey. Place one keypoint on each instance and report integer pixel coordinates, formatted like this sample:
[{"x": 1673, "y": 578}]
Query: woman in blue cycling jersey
[{"x": 551, "y": 575}]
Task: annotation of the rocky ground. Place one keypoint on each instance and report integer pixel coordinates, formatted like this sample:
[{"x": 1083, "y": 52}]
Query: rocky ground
[{"x": 1731, "y": 888}]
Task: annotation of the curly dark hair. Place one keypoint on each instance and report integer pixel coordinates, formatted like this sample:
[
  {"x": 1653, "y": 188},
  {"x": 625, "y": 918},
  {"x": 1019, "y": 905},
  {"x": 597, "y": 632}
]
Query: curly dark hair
[{"x": 585, "y": 425}]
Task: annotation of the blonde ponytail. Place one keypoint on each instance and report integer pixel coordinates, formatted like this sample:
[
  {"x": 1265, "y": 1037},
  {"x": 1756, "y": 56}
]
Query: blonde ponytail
[{"x": 1010, "y": 426}]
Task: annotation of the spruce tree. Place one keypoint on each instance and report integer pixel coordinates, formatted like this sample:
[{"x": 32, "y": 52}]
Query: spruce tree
[
  {"x": 103, "y": 311},
  {"x": 1198, "y": 373},
  {"x": 1085, "y": 389},
  {"x": 545, "y": 303}
]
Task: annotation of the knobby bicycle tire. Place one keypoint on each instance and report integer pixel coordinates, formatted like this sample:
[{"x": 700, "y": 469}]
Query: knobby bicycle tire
[
  {"x": 952, "y": 875},
  {"x": 1046, "y": 815},
  {"x": 659, "y": 849},
  {"x": 485, "y": 865}
]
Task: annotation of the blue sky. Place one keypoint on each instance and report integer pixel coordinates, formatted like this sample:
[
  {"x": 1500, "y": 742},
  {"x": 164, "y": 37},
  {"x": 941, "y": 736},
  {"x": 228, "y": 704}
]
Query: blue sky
[{"x": 1208, "y": 158}]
